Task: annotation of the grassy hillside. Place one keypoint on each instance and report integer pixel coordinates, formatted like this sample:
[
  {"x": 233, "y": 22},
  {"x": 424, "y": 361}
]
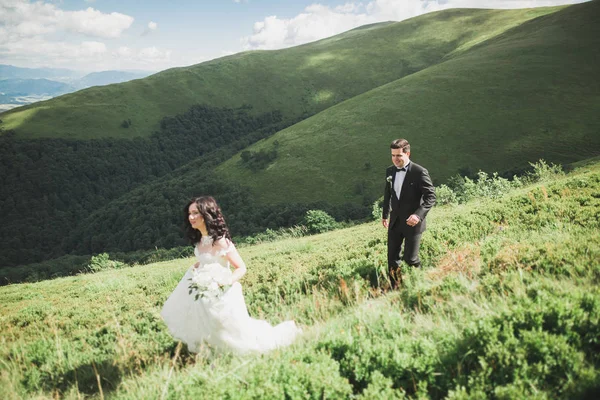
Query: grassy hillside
[
  {"x": 478, "y": 89},
  {"x": 494, "y": 103},
  {"x": 532, "y": 92},
  {"x": 66, "y": 181},
  {"x": 301, "y": 80},
  {"x": 507, "y": 306}
]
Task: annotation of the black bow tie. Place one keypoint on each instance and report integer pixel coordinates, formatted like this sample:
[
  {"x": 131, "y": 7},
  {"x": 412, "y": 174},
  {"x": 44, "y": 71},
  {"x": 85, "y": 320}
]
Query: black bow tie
[{"x": 400, "y": 169}]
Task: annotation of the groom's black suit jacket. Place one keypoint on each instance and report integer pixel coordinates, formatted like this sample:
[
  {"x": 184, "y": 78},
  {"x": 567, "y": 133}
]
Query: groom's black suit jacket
[{"x": 416, "y": 197}]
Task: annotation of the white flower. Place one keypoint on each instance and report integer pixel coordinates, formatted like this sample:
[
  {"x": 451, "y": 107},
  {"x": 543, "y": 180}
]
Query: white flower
[
  {"x": 210, "y": 281},
  {"x": 389, "y": 180}
]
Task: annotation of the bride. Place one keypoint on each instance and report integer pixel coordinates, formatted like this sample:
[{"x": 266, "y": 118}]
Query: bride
[{"x": 208, "y": 306}]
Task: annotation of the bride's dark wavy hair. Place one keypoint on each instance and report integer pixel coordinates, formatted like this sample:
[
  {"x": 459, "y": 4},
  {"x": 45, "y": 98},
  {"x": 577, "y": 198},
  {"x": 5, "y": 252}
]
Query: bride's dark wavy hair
[{"x": 213, "y": 218}]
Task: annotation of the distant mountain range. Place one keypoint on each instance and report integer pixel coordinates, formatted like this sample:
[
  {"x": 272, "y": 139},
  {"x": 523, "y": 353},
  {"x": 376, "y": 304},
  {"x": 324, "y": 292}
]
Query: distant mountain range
[
  {"x": 57, "y": 74},
  {"x": 109, "y": 77},
  {"x": 21, "y": 86}
]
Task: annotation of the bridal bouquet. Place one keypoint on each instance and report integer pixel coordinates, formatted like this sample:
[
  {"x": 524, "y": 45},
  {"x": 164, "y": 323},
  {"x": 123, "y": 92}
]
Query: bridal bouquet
[{"x": 210, "y": 281}]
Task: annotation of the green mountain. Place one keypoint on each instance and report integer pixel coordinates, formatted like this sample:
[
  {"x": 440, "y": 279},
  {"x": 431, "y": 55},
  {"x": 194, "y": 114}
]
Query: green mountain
[
  {"x": 495, "y": 106},
  {"x": 297, "y": 81},
  {"x": 16, "y": 91},
  {"x": 107, "y": 168},
  {"x": 532, "y": 92}
]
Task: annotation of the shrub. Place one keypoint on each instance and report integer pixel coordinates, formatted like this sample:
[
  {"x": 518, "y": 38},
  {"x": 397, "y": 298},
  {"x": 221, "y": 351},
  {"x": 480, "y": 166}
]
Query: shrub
[
  {"x": 62, "y": 266},
  {"x": 271, "y": 235},
  {"x": 377, "y": 209},
  {"x": 259, "y": 159},
  {"x": 543, "y": 171},
  {"x": 462, "y": 189},
  {"x": 495, "y": 186},
  {"x": 444, "y": 195},
  {"x": 541, "y": 344},
  {"x": 381, "y": 387},
  {"x": 318, "y": 221},
  {"x": 102, "y": 262},
  {"x": 302, "y": 375}
]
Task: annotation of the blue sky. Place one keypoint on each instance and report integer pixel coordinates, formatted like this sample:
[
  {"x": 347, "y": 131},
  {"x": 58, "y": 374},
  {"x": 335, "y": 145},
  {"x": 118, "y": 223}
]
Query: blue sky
[{"x": 95, "y": 35}]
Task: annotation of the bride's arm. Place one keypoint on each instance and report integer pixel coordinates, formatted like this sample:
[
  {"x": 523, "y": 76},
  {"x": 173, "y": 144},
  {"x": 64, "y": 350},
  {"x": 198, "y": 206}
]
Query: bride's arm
[
  {"x": 234, "y": 259},
  {"x": 240, "y": 267}
]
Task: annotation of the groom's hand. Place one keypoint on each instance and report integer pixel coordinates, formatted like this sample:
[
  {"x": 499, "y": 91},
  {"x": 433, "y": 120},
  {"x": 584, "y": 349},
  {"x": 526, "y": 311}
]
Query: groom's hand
[
  {"x": 413, "y": 220},
  {"x": 384, "y": 222}
]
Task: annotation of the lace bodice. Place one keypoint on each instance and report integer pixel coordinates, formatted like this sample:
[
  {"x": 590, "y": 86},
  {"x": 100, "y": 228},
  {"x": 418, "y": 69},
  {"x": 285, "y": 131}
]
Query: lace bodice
[{"x": 206, "y": 253}]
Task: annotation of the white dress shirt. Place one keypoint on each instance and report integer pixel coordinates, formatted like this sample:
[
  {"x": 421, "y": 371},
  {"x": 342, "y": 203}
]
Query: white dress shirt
[{"x": 399, "y": 180}]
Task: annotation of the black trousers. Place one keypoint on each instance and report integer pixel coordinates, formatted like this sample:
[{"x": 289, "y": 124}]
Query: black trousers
[{"x": 411, "y": 253}]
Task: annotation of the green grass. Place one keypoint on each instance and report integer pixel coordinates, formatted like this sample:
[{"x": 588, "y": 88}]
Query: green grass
[
  {"x": 470, "y": 89},
  {"x": 299, "y": 80},
  {"x": 529, "y": 93},
  {"x": 507, "y": 306}
]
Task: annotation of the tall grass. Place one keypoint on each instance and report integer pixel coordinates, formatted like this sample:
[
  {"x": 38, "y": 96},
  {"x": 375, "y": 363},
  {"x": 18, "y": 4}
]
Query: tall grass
[{"x": 507, "y": 306}]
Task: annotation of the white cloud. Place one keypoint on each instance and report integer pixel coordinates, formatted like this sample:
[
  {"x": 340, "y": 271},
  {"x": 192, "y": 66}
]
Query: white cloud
[
  {"x": 21, "y": 19},
  {"x": 94, "y": 23},
  {"x": 42, "y": 34},
  {"x": 37, "y": 33},
  {"x": 148, "y": 56},
  {"x": 315, "y": 23},
  {"x": 319, "y": 21},
  {"x": 153, "y": 54},
  {"x": 37, "y": 51},
  {"x": 152, "y": 26},
  {"x": 124, "y": 52},
  {"x": 32, "y": 28},
  {"x": 348, "y": 8},
  {"x": 91, "y": 49}
]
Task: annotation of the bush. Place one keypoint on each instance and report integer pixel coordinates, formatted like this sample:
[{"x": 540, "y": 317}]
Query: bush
[
  {"x": 381, "y": 387},
  {"x": 543, "y": 345},
  {"x": 377, "y": 209},
  {"x": 318, "y": 221},
  {"x": 271, "y": 235},
  {"x": 543, "y": 171},
  {"x": 462, "y": 189},
  {"x": 62, "y": 266},
  {"x": 101, "y": 262},
  {"x": 444, "y": 195},
  {"x": 259, "y": 159}
]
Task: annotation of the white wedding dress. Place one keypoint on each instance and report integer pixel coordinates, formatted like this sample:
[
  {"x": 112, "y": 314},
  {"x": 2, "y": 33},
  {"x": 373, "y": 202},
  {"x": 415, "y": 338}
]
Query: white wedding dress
[{"x": 223, "y": 322}]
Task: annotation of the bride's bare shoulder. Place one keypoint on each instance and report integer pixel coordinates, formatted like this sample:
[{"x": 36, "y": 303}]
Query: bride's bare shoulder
[{"x": 224, "y": 244}]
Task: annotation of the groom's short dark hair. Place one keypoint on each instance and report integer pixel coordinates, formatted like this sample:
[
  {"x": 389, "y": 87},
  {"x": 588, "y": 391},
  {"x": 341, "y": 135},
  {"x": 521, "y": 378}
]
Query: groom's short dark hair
[{"x": 400, "y": 144}]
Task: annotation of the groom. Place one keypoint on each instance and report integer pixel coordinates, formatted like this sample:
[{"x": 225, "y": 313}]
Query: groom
[{"x": 408, "y": 197}]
